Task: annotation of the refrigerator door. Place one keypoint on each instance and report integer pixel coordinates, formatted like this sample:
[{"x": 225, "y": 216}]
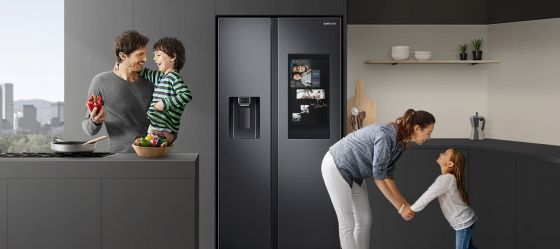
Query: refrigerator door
[
  {"x": 309, "y": 122},
  {"x": 244, "y": 174}
]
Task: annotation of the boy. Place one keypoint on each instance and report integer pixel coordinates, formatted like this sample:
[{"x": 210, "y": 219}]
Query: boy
[{"x": 171, "y": 94}]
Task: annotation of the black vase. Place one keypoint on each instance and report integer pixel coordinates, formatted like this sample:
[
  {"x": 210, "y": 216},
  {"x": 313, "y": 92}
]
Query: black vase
[
  {"x": 463, "y": 56},
  {"x": 477, "y": 55}
]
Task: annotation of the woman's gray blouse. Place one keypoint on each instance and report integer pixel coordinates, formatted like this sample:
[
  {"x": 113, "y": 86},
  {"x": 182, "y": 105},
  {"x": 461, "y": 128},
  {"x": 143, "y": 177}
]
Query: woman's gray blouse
[{"x": 370, "y": 151}]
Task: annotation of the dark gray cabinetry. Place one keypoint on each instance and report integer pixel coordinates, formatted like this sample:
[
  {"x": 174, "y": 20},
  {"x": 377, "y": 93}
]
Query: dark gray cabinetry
[
  {"x": 142, "y": 214},
  {"x": 3, "y": 214},
  {"x": 512, "y": 188},
  {"x": 501, "y": 11},
  {"x": 492, "y": 195},
  {"x": 537, "y": 204},
  {"x": 54, "y": 214},
  {"x": 417, "y": 12},
  {"x": 415, "y": 171},
  {"x": 120, "y": 201},
  {"x": 288, "y": 7}
]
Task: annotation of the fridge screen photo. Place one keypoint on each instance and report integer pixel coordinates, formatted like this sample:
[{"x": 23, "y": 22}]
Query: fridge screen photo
[{"x": 308, "y": 84}]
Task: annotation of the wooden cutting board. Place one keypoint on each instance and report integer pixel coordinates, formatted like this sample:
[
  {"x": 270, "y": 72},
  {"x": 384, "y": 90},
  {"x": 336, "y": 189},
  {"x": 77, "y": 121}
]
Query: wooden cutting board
[{"x": 365, "y": 106}]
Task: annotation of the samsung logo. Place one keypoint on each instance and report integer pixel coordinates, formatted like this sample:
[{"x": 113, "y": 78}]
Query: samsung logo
[{"x": 329, "y": 23}]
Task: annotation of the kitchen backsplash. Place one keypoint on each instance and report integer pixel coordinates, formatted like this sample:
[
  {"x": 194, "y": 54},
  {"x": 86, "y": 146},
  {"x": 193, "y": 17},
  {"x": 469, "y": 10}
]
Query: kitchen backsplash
[
  {"x": 519, "y": 97},
  {"x": 524, "y": 90},
  {"x": 452, "y": 93}
]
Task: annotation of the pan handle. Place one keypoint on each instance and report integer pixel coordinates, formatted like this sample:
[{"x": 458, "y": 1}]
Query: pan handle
[{"x": 95, "y": 140}]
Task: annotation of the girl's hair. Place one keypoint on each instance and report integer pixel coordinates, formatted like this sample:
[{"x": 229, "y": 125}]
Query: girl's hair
[
  {"x": 172, "y": 46},
  {"x": 405, "y": 124},
  {"x": 457, "y": 170}
]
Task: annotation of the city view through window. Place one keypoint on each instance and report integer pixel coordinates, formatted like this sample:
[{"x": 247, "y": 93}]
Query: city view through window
[{"x": 31, "y": 75}]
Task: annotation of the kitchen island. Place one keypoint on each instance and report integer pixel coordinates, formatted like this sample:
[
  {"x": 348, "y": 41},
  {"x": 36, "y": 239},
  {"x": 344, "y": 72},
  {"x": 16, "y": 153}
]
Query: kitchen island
[
  {"x": 512, "y": 188},
  {"x": 118, "y": 201}
]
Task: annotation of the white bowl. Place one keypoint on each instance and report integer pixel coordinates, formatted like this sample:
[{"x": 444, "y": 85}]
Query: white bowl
[
  {"x": 400, "y": 56},
  {"x": 422, "y": 52},
  {"x": 422, "y": 57},
  {"x": 400, "y": 47}
]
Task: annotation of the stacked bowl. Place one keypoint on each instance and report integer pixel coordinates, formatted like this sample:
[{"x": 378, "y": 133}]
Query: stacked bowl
[
  {"x": 422, "y": 55},
  {"x": 400, "y": 53}
]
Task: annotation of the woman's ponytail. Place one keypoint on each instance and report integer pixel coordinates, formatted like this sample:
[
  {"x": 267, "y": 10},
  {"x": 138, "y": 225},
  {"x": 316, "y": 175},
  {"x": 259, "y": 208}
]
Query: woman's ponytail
[{"x": 405, "y": 124}]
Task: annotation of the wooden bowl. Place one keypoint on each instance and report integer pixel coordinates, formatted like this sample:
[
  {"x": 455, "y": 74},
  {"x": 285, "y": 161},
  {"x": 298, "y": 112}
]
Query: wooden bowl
[{"x": 151, "y": 152}]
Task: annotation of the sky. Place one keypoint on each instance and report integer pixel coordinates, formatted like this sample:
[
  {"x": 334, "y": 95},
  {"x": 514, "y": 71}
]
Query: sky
[{"x": 32, "y": 45}]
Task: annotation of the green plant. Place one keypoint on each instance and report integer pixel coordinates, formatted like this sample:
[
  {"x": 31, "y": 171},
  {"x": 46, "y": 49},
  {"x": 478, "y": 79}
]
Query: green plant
[
  {"x": 476, "y": 43},
  {"x": 463, "y": 48}
]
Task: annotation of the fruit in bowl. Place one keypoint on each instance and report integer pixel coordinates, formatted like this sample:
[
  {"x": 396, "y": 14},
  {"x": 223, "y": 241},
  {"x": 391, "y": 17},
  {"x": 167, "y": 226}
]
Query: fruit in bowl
[{"x": 151, "y": 146}]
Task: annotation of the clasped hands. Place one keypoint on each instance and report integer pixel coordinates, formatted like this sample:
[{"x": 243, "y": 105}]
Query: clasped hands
[{"x": 407, "y": 213}]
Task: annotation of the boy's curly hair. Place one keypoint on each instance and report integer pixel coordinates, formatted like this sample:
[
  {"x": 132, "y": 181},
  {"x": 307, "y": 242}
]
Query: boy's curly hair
[{"x": 173, "y": 48}]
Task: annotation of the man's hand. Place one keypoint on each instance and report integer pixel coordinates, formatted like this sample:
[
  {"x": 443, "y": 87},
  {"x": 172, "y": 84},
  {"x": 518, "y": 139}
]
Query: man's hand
[
  {"x": 407, "y": 214},
  {"x": 97, "y": 116},
  {"x": 159, "y": 106}
]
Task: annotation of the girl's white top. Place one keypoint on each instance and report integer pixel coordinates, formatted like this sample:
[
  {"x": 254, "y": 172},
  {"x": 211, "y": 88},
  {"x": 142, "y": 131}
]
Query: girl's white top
[{"x": 458, "y": 213}]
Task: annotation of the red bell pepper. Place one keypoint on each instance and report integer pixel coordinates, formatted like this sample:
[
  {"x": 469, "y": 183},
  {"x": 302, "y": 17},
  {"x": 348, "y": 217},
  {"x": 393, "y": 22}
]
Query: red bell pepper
[{"x": 95, "y": 101}]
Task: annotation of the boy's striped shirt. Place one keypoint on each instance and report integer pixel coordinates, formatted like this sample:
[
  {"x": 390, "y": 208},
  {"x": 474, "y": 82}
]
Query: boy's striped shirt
[{"x": 173, "y": 92}]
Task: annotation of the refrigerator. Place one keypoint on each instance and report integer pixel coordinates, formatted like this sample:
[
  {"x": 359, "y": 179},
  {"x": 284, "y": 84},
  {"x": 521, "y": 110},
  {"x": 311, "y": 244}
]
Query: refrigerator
[{"x": 279, "y": 92}]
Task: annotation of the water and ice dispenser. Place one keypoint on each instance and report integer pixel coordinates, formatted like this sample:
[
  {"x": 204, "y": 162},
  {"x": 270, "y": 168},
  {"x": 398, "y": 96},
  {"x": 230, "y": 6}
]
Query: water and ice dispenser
[{"x": 244, "y": 117}]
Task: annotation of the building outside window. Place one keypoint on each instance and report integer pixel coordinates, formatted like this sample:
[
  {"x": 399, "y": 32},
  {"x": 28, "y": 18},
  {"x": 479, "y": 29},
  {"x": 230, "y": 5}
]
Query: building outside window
[{"x": 31, "y": 75}]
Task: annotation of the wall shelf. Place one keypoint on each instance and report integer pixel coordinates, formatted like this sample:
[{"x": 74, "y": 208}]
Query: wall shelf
[{"x": 394, "y": 62}]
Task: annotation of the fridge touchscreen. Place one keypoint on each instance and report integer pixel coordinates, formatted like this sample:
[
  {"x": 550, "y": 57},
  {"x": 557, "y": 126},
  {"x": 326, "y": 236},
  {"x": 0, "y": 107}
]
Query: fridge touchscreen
[{"x": 308, "y": 105}]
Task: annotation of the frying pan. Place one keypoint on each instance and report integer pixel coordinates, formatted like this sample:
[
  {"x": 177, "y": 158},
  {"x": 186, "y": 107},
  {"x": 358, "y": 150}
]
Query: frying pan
[{"x": 60, "y": 146}]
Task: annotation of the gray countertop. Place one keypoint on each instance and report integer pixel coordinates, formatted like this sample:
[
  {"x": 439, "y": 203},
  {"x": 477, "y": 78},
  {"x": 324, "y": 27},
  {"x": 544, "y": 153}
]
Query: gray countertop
[
  {"x": 120, "y": 165},
  {"x": 543, "y": 152},
  {"x": 115, "y": 157}
]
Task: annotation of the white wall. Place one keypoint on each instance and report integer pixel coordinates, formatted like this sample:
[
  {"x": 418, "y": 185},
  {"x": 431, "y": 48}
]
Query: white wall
[
  {"x": 524, "y": 89},
  {"x": 452, "y": 93}
]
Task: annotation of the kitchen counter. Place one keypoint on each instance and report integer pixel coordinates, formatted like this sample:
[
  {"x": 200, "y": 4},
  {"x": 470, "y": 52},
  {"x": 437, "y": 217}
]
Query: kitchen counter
[
  {"x": 507, "y": 183},
  {"x": 118, "y": 201},
  {"x": 119, "y": 165},
  {"x": 543, "y": 152}
]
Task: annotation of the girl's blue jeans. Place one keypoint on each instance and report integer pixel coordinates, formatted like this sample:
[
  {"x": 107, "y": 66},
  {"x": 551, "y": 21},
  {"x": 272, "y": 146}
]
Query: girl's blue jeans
[{"x": 463, "y": 238}]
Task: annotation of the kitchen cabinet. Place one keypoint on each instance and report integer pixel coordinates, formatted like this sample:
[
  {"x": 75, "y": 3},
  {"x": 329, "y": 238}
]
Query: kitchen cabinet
[
  {"x": 504, "y": 11},
  {"x": 415, "y": 171},
  {"x": 3, "y": 214},
  {"x": 53, "y": 214},
  {"x": 536, "y": 204},
  {"x": 417, "y": 12},
  {"x": 513, "y": 188},
  {"x": 492, "y": 196},
  {"x": 119, "y": 201},
  {"x": 148, "y": 214}
]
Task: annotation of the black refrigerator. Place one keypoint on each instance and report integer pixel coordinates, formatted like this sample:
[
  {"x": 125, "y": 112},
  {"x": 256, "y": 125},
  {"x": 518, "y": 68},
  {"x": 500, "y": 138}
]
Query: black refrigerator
[{"x": 279, "y": 91}]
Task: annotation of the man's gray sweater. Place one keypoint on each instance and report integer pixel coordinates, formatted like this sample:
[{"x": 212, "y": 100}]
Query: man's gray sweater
[{"x": 125, "y": 109}]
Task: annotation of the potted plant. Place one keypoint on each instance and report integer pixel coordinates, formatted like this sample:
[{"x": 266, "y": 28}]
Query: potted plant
[
  {"x": 463, "y": 51},
  {"x": 477, "y": 53}
]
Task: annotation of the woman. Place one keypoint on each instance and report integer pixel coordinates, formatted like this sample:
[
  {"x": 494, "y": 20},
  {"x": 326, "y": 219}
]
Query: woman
[{"x": 370, "y": 152}]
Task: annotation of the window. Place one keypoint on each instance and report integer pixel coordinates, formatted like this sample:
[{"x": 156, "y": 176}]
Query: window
[{"x": 32, "y": 74}]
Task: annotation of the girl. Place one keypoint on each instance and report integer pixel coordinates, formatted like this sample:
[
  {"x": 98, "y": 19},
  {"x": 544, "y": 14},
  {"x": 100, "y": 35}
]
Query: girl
[
  {"x": 370, "y": 152},
  {"x": 449, "y": 188}
]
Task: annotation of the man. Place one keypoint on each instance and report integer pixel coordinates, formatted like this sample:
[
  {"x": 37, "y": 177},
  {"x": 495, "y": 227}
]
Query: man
[{"x": 126, "y": 95}]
